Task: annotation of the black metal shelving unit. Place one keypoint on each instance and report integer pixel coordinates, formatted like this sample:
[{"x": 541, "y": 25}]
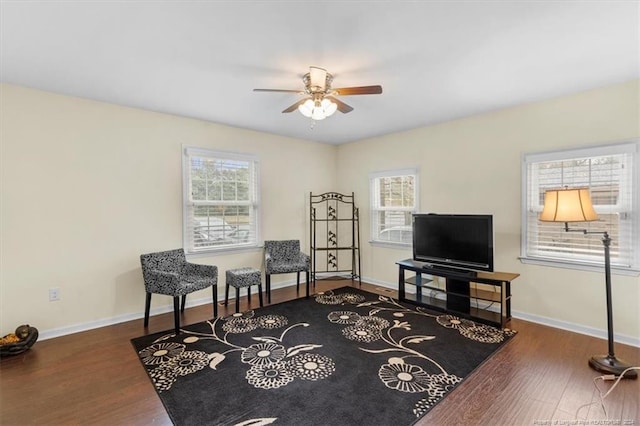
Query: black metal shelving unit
[
  {"x": 460, "y": 293},
  {"x": 334, "y": 236}
]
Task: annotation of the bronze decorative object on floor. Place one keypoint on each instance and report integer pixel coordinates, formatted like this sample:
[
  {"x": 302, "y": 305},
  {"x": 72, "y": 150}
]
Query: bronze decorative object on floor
[{"x": 18, "y": 342}]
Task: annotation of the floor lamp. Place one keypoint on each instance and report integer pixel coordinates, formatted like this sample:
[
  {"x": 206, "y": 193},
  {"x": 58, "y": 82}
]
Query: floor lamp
[{"x": 574, "y": 205}]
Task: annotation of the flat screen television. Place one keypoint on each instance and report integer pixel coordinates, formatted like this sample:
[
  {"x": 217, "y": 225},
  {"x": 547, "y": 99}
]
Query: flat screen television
[{"x": 460, "y": 241}]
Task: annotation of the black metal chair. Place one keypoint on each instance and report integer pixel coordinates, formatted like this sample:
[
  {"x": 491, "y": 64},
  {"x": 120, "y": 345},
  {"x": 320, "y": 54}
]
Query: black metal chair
[
  {"x": 284, "y": 257},
  {"x": 169, "y": 273}
]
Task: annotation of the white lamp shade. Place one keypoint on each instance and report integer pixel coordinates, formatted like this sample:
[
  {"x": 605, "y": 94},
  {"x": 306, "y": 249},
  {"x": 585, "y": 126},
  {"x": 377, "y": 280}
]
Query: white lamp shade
[
  {"x": 317, "y": 109},
  {"x": 568, "y": 205},
  {"x": 318, "y": 113},
  {"x": 306, "y": 108},
  {"x": 329, "y": 107}
]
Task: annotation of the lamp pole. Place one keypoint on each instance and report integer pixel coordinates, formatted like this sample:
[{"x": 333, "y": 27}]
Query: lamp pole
[
  {"x": 609, "y": 364},
  {"x": 606, "y": 241}
]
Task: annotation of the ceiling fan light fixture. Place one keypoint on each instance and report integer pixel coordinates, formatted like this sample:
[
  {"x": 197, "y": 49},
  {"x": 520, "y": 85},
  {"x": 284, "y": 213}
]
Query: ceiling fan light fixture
[
  {"x": 306, "y": 108},
  {"x": 321, "y": 101},
  {"x": 318, "y": 111},
  {"x": 329, "y": 107},
  {"x": 318, "y": 78}
]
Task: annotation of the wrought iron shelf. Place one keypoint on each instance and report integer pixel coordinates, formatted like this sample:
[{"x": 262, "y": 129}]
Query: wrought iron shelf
[{"x": 330, "y": 216}]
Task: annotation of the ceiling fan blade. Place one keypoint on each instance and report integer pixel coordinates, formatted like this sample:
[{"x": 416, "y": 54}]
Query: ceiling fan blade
[
  {"x": 295, "y": 106},
  {"x": 361, "y": 90},
  {"x": 278, "y": 90},
  {"x": 342, "y": 107}
]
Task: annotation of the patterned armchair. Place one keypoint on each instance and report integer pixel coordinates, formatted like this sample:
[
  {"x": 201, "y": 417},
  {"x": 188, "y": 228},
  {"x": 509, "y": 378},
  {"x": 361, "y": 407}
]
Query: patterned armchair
[
  {"x": 284, "y": 257},
  {"x": 169, "y": 273}
]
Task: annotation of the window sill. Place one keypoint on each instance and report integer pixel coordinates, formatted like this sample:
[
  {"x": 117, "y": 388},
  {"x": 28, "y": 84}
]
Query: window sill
[
  {"x": 578, "y": 266},
  {"x": 223, "y": 251}
]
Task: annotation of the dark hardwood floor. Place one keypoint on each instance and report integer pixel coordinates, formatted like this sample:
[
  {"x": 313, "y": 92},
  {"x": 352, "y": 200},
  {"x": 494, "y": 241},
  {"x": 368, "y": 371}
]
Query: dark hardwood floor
[{"x": 541, "y": 376}]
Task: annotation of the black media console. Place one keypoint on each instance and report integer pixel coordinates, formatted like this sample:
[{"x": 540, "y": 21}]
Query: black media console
[{"x": 481, "y": 296}]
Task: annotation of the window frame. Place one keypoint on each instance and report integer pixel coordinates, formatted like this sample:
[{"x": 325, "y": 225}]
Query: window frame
[
  {"x": 374, "y": 210},
  {"x": 628, "y": 147},
  {"x": 188, "y": 203}
]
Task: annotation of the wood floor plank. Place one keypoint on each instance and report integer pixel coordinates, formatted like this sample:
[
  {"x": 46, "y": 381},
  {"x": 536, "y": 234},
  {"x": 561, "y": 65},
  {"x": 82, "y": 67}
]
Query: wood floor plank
[{"x": 95, "y": 377}]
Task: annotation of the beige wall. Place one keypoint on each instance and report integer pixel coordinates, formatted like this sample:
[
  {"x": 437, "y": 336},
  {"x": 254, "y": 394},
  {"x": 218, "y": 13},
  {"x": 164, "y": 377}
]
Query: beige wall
[
  {"x": 87, "y": 187},
  {"x": 473, "y": 165}
]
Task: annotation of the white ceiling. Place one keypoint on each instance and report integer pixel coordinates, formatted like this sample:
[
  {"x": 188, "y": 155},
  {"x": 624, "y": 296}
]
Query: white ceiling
[{"x": 436, "y": 60}]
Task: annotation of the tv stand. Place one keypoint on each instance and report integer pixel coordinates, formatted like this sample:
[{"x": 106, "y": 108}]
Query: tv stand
[
  {"x": 461, "y": 296},
  {"x": 442, "y": 271}
]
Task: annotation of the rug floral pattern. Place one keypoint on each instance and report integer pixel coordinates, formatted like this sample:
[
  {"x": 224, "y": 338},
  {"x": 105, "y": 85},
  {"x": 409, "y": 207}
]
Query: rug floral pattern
[
  {"x": 270, "y": 363},
  {"x": 397, "y": 373},
  {"x": 274, "y": 351}
]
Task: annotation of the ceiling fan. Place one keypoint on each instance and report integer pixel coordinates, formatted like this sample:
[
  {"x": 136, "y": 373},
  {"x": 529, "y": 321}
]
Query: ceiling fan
[{"x": 320, "y": 98}]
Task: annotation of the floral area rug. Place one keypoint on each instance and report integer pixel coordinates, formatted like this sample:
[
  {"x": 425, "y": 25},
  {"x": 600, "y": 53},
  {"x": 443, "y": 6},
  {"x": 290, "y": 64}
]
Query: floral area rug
[{"x": 342, "y": 357}]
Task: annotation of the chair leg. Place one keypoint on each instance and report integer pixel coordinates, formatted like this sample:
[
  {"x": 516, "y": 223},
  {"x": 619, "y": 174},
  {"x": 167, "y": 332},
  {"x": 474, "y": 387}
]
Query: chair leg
[
  {"x": 237, "y": 300},
  {"x": 249, "y": 296},
  {"x": 226, "y": 294},
  {"x": 176, "y": 313},
  {"x": 147, "y": 307},
  {"x": 260, "y": 294},
  {"x": 267, "y": 282},
  {"x": 184, "y": 302},
  {"x": 307, "y": 277},
  {"x": 298, "y": 281},
  {"x": 215, "y": 301}
]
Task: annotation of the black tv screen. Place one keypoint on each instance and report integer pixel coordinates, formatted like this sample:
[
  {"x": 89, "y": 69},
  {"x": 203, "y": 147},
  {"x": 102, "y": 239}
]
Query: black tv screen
[{"x": 461, "y": 241}]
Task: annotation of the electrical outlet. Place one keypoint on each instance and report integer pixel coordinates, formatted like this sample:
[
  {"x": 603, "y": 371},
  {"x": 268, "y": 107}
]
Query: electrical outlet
[{"x": 54, "y": 294}]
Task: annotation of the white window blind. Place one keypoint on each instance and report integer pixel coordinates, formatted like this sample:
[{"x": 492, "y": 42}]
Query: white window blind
[
  {"x": 394, "y": 198},
  {"x": 610, "y": 173},
  {"x": 220, "y": 197}
]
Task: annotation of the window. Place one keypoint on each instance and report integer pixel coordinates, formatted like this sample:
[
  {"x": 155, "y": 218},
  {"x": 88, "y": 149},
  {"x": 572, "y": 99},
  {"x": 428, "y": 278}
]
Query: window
[
  {"x": 220, "y": 198},
  {"x": 611, "y": 174},
  {"x": 394, "y": 198}
]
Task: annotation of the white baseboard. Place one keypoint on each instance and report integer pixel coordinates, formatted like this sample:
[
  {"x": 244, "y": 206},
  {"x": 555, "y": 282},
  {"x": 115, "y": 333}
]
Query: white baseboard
[
  {"x": 551, "y": 322},
  {"x": 577, "y": 328},
  {"x": 76, "y": 328}
]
